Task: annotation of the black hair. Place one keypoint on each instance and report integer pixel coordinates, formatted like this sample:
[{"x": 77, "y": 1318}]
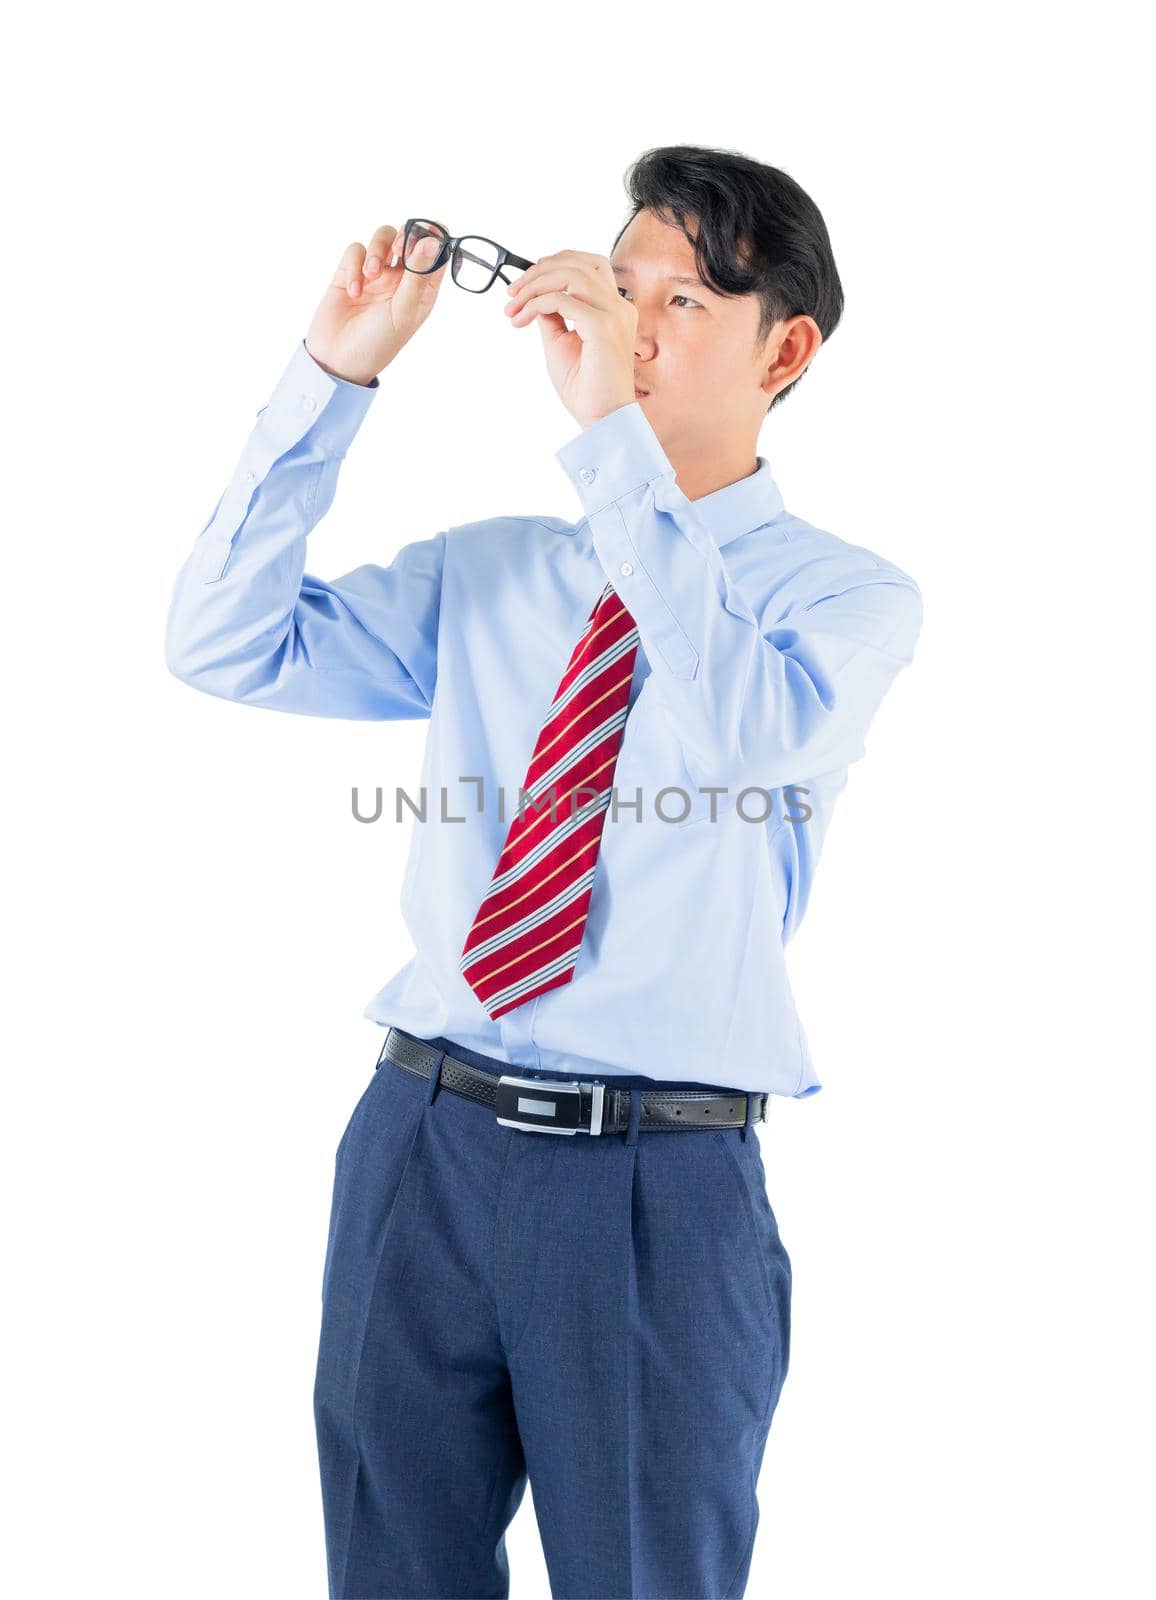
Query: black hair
[{"x": 757, "y": 232}]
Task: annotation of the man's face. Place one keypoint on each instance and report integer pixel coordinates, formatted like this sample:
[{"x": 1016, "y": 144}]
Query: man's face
[{"x": 695, "y": 350}]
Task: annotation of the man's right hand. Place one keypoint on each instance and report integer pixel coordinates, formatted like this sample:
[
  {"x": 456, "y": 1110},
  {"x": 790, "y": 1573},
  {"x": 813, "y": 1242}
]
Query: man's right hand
[{"x": 371, "y": 309}]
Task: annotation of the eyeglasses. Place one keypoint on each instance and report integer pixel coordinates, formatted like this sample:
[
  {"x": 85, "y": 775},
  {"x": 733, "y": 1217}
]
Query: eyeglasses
[{"x": 474, "y": 262}]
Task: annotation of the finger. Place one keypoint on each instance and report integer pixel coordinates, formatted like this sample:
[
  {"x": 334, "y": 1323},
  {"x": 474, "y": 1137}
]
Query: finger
[
  {"x": 379, "y": 253},
  {"x": 532, "y": 272},
  {"x": 594, "y": 262},
  {"x": 599, "y": 265},
  {"x": 348, "y": 274},
  {"x": 580, "y": 312},
  {"x": 417, "y": 291},
  {"x": 578, "y": 279}
]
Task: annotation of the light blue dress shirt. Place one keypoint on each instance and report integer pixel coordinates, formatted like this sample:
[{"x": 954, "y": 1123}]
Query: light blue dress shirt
[{"x": 765, "y": 647}]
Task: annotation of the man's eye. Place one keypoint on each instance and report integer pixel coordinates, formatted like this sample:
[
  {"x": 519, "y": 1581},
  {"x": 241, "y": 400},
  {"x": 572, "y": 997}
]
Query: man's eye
[{"x": 685, "y": 297}]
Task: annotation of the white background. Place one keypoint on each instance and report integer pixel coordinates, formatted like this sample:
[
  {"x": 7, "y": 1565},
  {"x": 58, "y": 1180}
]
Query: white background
[{"x": 197, "y": 922}]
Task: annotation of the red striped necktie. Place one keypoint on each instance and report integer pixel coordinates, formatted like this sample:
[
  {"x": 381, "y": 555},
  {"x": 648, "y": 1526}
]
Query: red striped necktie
[{"x": 525, "y": 936}]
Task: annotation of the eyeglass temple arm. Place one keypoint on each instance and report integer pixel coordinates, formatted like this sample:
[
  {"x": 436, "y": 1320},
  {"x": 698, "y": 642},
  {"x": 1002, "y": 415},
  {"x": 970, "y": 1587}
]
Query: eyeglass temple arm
[{"x": 513, "y": 261}]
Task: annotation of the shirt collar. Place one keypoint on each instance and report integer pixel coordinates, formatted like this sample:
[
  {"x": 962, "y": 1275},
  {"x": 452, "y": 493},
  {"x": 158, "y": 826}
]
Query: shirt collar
[
  {"x": 630, "y": 454},
  {"x": 736, "y": 508}
]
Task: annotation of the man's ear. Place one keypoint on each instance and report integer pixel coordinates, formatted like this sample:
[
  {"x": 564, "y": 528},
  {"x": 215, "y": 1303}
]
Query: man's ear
[{"x": 789, "y": 349}]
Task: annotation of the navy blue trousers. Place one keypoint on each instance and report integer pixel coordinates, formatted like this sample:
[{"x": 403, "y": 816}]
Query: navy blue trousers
[{"x": 607, "y": 1317}]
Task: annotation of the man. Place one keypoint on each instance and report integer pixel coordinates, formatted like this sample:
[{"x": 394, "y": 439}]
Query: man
[{"x": 606, "y": 1314}]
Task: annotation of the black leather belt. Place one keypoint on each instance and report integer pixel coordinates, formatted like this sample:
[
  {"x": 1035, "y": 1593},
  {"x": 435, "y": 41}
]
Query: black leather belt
[{"x": 553, "y": 1105}]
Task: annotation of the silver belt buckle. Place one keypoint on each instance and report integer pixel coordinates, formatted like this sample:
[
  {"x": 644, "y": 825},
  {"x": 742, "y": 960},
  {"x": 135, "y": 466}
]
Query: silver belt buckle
[{"x": 544, "y": 1105}]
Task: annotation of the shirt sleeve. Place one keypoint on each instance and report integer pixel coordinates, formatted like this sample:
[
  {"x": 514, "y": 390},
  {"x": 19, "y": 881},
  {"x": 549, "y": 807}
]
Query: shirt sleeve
[
  {"x": 751, "y": 706},
  {"x": 246, "y": 622}
]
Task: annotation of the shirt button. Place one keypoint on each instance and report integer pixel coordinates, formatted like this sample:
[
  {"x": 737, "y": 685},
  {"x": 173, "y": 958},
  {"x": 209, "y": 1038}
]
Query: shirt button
[
  {"x": 308, "y": 402},
  {"x": 250, "y": 477},
  {"x": 626, "y": 569},
  {"x": 588, "y": 474}
]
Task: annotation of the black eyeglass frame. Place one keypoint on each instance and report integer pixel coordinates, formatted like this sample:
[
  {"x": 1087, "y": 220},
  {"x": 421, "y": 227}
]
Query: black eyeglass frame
[{"x": 451, "y": 247}]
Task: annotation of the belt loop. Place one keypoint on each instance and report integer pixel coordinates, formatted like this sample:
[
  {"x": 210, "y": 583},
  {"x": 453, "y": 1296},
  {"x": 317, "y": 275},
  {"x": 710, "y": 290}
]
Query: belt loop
[
  {"x": 381, "y": 1052},
  {"x": 750, "y": 1116},
  {"x": 435, "y": 1077},
  {"x": 635, "y": 1114}
]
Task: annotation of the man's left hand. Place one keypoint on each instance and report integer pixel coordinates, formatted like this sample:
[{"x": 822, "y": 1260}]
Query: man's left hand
[{"x": 592, "y": 366}]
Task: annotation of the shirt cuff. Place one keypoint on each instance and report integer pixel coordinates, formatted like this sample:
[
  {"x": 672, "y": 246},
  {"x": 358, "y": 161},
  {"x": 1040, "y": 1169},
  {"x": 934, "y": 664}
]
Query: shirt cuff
[
  {"x": 307, "y": 399},
  {"x": 614, "y": 455},
  {"x": 645, "y": 532}
]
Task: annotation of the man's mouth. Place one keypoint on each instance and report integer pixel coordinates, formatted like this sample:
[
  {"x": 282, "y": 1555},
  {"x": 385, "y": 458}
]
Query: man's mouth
[{"x": 638, "y": 393}]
